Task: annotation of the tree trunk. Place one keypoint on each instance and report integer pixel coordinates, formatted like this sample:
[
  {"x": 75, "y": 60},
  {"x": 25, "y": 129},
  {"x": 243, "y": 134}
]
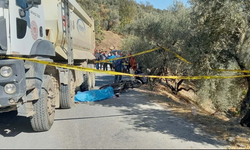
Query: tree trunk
[{"x": 245, "y": 111}]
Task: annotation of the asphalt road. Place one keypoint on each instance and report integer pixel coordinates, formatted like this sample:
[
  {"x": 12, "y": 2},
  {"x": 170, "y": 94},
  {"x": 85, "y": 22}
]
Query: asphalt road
[{"x": 130, "y": 121}]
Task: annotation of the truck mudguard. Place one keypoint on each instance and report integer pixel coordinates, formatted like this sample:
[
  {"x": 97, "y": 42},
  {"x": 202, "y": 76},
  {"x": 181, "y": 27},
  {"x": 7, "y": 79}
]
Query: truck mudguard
[{"x": 43, "y": 48}]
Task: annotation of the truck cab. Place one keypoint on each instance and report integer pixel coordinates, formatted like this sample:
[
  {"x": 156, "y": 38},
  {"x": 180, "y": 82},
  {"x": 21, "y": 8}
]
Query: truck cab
[{"x": 49, "y": 30}]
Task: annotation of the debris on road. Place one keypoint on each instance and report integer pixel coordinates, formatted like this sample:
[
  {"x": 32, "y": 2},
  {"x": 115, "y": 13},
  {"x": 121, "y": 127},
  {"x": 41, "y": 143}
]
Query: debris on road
[
  {"x": 231, "y": 139},
  {"x": 241, "y": 145},
  {"x": 194, "y": 111}
]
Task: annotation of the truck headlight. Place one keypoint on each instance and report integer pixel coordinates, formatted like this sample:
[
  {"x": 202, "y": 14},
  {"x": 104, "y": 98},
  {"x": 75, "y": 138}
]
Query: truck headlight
[
  {"x": 6, "y": 71},
  {"x": 10, "y": 88}
]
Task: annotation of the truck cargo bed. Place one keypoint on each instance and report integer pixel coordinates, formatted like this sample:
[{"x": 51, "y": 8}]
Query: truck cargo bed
[{"x": 82, "y": 29}]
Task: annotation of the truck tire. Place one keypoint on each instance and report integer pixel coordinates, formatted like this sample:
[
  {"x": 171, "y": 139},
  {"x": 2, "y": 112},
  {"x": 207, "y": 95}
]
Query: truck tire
[
  {"x": 92, "y": 77},
  {"x": 44, "y": 107},
  {"x": 67, "y": 93},
  {"x": 57, "y": 92},
  {"x": 93, "y": 80}
]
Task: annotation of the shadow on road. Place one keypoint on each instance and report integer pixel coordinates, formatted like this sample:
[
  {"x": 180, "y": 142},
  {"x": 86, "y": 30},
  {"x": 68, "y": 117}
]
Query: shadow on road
[
  {"x": 102, "y": 80},
  {"x": 84, "y": 118},
  {"x": 11, "y": 125},
  {"x": 107, "y": 79},
  {"x": 137, "y": 111},
  {"x": 144, "y": 115}
]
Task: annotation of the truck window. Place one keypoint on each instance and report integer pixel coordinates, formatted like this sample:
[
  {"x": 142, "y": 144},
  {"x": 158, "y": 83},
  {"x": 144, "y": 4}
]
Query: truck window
[
  {"x": 3, "y": 4},
  {"x": 21, "y": 3}
]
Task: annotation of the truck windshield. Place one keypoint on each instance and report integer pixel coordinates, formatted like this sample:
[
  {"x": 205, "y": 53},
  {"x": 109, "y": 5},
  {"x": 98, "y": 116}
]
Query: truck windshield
[{"x": 21, "y": 3}]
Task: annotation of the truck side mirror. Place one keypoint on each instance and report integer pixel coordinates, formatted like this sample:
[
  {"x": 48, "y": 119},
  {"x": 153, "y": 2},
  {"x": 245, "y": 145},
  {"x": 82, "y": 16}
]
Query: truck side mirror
[
  {"x": 34, "y": 2},
  {"x": 22, "y": 12}
]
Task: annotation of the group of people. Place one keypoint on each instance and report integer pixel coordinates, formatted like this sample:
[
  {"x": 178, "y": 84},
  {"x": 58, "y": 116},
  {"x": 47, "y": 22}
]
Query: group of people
[
  {"x": 103, "y": 55},
  {"x": 115, "y": 65}
]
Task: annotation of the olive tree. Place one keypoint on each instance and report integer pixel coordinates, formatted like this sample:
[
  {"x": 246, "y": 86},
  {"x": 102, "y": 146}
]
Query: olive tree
[
  {"x": 221, "y": 41},
  {"x": 168, "y": 28}
]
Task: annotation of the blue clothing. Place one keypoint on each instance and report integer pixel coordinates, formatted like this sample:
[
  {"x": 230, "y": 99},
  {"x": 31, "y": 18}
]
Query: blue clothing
[
  {"x": 97, "y": 66},
  {"x": 22, "y": 3},
  {"x": 111, "y": 57},
  {"x": 118, "y": 77},
  {"x": 118, "y": 63},
  {"x": 118, "y": 68}
]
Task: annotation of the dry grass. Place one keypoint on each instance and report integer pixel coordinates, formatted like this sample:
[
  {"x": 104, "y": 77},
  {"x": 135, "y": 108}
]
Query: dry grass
[
  {"x": 215, "y": 124},
  {"x": 110, "y": 39}
]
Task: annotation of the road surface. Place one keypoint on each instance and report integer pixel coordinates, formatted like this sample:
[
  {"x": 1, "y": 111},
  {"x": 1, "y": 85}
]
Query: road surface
[{"x": 130, "y": 121}]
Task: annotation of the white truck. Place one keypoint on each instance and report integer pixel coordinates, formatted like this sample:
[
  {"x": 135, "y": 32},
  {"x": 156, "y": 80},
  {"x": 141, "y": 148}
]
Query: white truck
[{"x": 52, "y": 30}]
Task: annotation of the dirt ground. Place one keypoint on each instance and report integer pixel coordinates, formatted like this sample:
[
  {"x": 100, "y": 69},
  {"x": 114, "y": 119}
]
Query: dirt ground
[
  {"x": 110, "y": 39},
  {"x": 221, "y": 127}
]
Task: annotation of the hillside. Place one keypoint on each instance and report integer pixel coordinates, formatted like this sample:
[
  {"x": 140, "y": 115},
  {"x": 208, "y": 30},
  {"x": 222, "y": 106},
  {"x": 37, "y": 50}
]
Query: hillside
[{"x": 110, "y": 39}]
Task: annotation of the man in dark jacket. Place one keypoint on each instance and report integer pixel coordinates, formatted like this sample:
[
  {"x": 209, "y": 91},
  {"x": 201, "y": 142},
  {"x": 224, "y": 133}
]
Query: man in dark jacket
[
  {"x": 97, "y": 58},
  {"x": 102, "y": 57},
  {"x": 105, "y": 65},
  {"x": 117, "y": 64}
]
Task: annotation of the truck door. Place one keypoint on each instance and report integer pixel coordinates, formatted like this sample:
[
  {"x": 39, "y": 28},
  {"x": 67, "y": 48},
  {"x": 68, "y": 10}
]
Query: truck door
[
  {"x": 3, "y": 25},
  {"x": 25, "y": 28}
]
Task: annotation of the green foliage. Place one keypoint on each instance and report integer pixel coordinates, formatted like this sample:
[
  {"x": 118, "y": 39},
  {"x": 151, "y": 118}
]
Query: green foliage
[
  {"x": 225, "y": 93},
  {"x": 127, "y": 11},
  {"x": 210, "y": 34},
  {"x": 220, "y": 40},
  {"x": 170, "y": 29},
  {"x": 105, "y": 13}
]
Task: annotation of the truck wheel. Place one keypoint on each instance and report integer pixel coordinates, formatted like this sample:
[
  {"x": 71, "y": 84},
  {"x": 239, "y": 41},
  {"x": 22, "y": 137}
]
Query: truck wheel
[
  {"x": 67, "y": 93},
  {"x": 44, "y": 107},
  {"x": 92, "y": 74},
  {"x": 86, "y": 85},
  {"x": 57, "y": 92},
  {"x": 93, "y": 80}
]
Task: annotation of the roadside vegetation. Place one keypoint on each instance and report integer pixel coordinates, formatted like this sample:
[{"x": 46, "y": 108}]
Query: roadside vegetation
[{"x": 209, "y": 34}]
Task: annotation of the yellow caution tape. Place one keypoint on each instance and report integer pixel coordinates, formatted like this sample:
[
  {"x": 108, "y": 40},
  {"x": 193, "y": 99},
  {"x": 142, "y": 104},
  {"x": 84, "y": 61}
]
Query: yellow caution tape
[
  {"x": 120, "y": 73},
  {"x": 144, "y": 52},
  {"x": 195, "y": 77},
  {"x": 225, "y": 70},
  {"x": 178, "y": 56}
]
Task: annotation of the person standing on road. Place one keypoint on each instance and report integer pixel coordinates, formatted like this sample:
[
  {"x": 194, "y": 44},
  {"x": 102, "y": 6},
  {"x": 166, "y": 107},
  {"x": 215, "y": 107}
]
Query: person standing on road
[
  {"x": 105, "y": 65},
  {"x": 102, "y": 57},
  {"x": 97, "y": 58},
  {"x": 128, "y": 64},
  {"x": 112, "y": 56},
  {"x": 133, "y": 66},
  {"x": 118, "y": 67},
  {"x": 124, "y": 70}
]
